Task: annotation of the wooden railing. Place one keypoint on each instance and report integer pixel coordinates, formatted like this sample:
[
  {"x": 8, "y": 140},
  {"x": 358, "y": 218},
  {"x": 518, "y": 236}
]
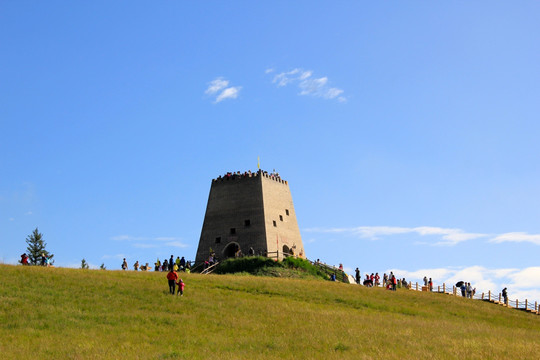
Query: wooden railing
[{"x": 525, "y": 305}]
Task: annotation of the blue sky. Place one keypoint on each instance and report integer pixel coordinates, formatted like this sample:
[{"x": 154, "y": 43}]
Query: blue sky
[{"x": 408, "y": 132}]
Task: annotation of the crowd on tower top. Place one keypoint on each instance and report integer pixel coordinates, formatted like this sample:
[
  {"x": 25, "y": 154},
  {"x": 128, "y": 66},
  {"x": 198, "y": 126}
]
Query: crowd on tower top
[{"x": 249, "y": 173}]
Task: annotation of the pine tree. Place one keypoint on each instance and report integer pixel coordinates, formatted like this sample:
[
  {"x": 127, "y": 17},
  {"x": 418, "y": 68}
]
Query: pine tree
[
  {"x": 36, "y": 247},
  {"x": 84, "y": 264}
]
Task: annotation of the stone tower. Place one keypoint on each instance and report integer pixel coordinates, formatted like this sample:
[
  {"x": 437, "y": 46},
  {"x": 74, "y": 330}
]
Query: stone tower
[{"x": 250, "y": 210}]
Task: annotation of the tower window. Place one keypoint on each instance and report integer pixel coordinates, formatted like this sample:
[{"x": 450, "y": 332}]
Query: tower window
[
  {"x": 287, "y": 212},
  {"x": 280, "y": 217},
  {"x": 218, "y": 240},
  {"x": 274, "y": 222},
  {"x": 233, "y": 231},
  {"x": 247, "y": 223}
]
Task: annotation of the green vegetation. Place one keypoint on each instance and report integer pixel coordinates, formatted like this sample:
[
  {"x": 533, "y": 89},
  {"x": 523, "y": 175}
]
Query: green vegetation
[
  {"x": 37, "y": 247},
  {"x": 56, "y": 313},
  {"x": 263, "y": 266}
]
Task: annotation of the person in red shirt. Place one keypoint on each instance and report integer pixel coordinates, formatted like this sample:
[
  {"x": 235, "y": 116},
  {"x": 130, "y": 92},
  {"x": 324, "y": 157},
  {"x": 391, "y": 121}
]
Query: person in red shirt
[{"x": 172, "y": 276}]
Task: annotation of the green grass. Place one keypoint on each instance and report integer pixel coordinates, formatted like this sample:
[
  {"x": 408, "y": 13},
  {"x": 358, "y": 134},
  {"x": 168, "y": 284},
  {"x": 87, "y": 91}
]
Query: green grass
[{"x": 59, "y": 313}]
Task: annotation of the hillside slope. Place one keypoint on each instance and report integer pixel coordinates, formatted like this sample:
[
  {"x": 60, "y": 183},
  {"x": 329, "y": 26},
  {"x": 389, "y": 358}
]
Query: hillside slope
[{"x": 92, "y": 314}]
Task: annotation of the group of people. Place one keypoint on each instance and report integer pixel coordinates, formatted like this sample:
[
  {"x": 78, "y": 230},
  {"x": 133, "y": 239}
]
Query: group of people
[
  {"x": 390, "y": 282},
  {"x": 467, "y": 290},
  {"x": 232, "y": 175},
  {"x": 174, "y": 280},
  {"x": 44, "y": 260},
  {"x": 180, "y": 264}
]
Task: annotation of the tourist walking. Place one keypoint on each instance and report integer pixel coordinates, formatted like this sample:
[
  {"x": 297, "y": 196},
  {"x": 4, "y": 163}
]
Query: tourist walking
[
  {"x": 172, "y": 276},
  {"x": 505, "y": 296},
  {"x": 357, "y": 278},
  {"x": 124, "y": 264}
]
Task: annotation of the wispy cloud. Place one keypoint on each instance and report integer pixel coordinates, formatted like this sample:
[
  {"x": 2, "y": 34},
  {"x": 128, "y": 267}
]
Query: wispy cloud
[
  {"x": 308, "y": 84},
  {"x": 220, "y": 88},
  {"x": 448, "y": 236},
  {"x": 517, "y": 237},
  {"x": 151, "y": 242}
]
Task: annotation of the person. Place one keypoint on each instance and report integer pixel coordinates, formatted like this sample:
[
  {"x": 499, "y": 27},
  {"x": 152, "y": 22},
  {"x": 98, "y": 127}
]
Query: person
[
  {"x": 341, "y": 267},
  {"x": 333, "y": 277},
  {"x": 188, "y": 267},
  {"x": 430, "y": 284},
  {"x": 404, "y": 283},
  {"x": 171, "y": 262},
  {"x": 394, "y": 282},
  {"x": 469, "y": 291},
  {"x": 385, "y": 279},
  {"x": 24, "y": 259},
  {"x": 251, "y": 251},
  {"x": 463, "y": 289},
  {"x": 165, "y": 265},
  {"x": 175, "y": 267},
  {"x": 182, "y": 263},
  {"x": 177, "y": 262},
  {"x": 181, "y": 286},
  {"x": 505, "y": 296},
  {"x": 43, "y": 259},
  {"x": 377, "y": 279},
  {"x": 136, "y": 265},
  {"x": 124, "y": 264},
  {"x": 172, "y": 276},
  {"x": 157, "y": 265},
  {"x": 425, "y": 281},
  {"x": 357, "y": 276}
]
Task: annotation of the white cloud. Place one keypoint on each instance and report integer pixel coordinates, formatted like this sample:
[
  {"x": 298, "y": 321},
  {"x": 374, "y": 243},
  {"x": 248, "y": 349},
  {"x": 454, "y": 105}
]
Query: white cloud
[
  {"x": 228, "y": 93},
  {"x": 269, "y": 70},
  {"x": 216, "y": 85},
  {"x": 448, "y": 236},
  {"x": 151, "y": 242},
  {"x": 308, "y": 85},
  {"x": 220, "y": 88},
  {"x": 517, "y": 237}
]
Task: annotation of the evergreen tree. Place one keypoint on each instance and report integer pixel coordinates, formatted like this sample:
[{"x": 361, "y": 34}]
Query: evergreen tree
[
  {"x": 84, "y": 264},
  {"x": 36, "y": 247}
]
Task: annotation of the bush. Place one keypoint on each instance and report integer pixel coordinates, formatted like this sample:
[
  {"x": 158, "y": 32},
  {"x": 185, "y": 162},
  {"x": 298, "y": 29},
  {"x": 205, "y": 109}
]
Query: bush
[
  {"x": 250, "y": 264},
  {"x": 304, "y": 265}
]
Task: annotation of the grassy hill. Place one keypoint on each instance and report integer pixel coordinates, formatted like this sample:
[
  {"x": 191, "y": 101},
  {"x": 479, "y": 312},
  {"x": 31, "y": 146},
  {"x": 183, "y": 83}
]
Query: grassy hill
[{"x": 54, "y": 313}]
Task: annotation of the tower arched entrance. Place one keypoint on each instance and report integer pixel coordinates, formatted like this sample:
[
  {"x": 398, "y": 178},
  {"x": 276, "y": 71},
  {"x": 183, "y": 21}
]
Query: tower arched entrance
[{"x": 231, "y": 250}]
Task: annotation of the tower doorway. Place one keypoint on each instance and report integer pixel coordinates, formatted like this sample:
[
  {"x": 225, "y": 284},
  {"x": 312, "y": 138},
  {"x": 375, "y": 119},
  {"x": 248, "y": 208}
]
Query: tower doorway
[{"x": 231, "y": 250}]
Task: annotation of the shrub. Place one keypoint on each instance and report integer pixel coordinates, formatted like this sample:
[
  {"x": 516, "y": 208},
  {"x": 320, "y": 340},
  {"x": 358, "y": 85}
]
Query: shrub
[{"x": 250, "y": 264}]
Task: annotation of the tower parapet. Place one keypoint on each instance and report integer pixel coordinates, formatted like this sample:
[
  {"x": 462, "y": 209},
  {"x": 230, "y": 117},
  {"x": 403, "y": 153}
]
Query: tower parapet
[{"x": 249, "y": 212}]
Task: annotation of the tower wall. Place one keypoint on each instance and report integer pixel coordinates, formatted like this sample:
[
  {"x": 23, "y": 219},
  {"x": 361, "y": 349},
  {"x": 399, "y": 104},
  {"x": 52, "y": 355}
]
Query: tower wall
[
  {"x": 280, "y": 218},
  {"x": 244, "y": 211}
]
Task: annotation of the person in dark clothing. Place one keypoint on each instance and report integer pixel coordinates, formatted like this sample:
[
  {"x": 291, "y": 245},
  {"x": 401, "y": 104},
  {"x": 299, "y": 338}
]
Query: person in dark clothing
[
  {"x": 171, "y": 263},
  {"x": 357, "y": 276},
  {"x": 182, "y": 263},
  {"x": 505, "y": 296}
]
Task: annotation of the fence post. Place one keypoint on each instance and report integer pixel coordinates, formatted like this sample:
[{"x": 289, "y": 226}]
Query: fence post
[
  {"x": 517, "y": 304},
  {"x": 489, "y": 295},
  {"x": 417, "y": 286},
  {"x": 444, "y": 288},
  {"x": 526, "y": 304},
  {"x": 454, "y": 290}
]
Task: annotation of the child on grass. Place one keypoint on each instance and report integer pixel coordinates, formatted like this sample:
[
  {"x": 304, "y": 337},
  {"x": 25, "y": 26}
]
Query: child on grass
[{"x": 181, "y": 286}]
